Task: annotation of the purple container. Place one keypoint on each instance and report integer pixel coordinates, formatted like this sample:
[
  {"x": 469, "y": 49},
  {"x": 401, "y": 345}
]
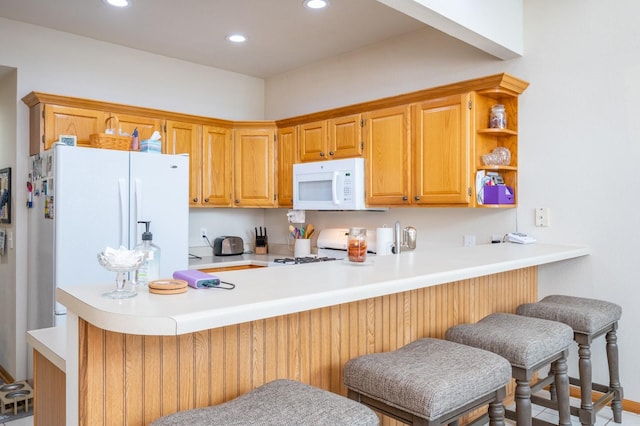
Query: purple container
[{"x": 498, "y": 194}]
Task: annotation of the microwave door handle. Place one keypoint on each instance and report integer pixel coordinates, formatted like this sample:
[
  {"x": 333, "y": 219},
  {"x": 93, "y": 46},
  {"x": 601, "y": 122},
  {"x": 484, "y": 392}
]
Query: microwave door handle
[{"x": 334, "y": 188}]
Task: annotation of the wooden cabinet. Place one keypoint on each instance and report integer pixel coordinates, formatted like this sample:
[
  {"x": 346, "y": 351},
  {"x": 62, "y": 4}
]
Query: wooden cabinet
[
  {"x": 331, "y": 139},
  {"x": 62, "y": 120},
  {"x": 441, "y": 152},
  {"x": 217, "y": 167},
  {"x": 486, "y": 139},
  {"x": 254, "y": 168},
  {"x": 231, "y": 268},
  {"x": 146, "y": 125},
  {"x": 287, "y": 157},
  {"x": 185, "y": 138},
  {"x": 388, "y": 156}
]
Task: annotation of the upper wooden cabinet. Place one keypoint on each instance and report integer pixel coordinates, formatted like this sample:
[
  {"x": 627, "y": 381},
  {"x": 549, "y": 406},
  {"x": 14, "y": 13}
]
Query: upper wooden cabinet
[
  {"x": 217, "y": 167},
  {"x": 127, "y": 123},
  {"x": 287, "y": 157},
  {"x": 185, "y": 138},
  {"x": 422, "y": 148},
  {"x": 388, "y": 156},
  {"x": 61, "y": 120},
  {"x": 441, "y": 154},
  {"x": 331, "y": 139},
  {"x": 254, "y": 168}
]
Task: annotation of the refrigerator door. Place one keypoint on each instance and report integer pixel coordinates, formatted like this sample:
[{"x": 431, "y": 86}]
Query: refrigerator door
[
  {"x": 88, "y": 211},
  {"x": 160, "y": 194}
]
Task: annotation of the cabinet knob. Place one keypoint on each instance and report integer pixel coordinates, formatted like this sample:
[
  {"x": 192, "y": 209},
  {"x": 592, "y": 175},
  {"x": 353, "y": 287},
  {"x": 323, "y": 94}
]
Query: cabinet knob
[
  {"x": 206, "y": 200},
  {"x": 237, "y": 201},
  {"x": 405, "y": 198},
  {"x": 416, "y": 198},
  {"x": 322, "y": 154},
  {"x": 195, "y": 200},
  {"x": 331, "y": 153}
]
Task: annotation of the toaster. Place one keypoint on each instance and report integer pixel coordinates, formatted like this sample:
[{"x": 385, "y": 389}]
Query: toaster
[{"x": 228, "y": 246}]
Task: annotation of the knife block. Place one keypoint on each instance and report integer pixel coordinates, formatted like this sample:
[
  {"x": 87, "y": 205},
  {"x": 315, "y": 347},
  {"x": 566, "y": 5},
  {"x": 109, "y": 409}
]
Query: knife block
[{"x": 262, "y": 249}]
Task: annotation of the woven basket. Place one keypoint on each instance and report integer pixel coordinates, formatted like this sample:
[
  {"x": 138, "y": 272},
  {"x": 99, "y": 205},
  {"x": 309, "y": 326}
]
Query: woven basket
[{"x": 107, "y": 141}]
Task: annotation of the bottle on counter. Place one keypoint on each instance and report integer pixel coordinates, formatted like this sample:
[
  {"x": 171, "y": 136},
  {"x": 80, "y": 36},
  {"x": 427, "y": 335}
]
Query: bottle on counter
[{"x": 150, "y": 268}]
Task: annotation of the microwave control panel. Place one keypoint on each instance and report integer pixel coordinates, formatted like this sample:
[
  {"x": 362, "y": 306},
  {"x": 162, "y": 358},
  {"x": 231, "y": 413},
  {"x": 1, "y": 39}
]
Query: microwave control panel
[{"x": 347, "y": 185}]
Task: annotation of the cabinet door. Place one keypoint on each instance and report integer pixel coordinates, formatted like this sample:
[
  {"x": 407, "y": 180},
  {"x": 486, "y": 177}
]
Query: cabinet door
[
  {"x": 254, "y": 171},
  {"x": 345, "y": 137},
  {"x": 313, "y": 141},
  {"x": 59, "y": 120},
  {"x": 145, "y": 125},
  {"x": 388, "y": 156},
  {"x": 441, "y": 151},
  {"x": 287, "y": 157},
  {"x": 185, "y": 138},
  {"x": 216, "y": 166}
]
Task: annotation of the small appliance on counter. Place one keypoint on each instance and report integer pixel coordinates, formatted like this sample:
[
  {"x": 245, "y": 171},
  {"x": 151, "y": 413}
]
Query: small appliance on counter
[
  {"x": 228, "y": 246},
  {"x": 334, "y": 242}
]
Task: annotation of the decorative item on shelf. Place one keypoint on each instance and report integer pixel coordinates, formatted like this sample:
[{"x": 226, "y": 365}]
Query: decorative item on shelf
[
  {"x": 69, "y": 140},
  {"x": 498, "y": 117},
  {"x": 111, "y": 138},
  {"x": 500, "y": 156}
]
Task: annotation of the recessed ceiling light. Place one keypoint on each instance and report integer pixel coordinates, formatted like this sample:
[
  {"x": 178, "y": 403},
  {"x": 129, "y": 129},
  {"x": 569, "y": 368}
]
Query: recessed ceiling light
[
  {"x": 117, "y": 3},
  {"x": 316, "y": 4},
  {"x": 236, "y": 38}
]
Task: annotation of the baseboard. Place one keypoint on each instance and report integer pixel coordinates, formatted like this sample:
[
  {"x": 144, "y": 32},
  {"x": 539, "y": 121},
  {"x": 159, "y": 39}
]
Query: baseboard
[
  {"x": 5, "y": 376},
  {"x": 627, "y": 405}
]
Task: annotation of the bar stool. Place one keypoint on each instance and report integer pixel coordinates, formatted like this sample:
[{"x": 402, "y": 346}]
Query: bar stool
[
  {"x": 590, "y": 319},
  {"x": 529, "y": 344},
  {"x": 430, "y": 382},
  {"x": 277, "y": 403}
]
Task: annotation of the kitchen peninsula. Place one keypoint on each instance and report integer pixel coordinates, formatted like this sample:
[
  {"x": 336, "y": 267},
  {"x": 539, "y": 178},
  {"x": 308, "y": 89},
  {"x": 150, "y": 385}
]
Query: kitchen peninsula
[{"x": 131, "y": 361}]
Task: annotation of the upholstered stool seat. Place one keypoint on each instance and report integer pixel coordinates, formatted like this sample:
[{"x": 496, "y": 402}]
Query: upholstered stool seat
[
  {"x": 589, "y": 319},
  {"x": 278, "y": 403},
  {"x": 430, "y": 382},
  {"x": 529, "y": 344}
]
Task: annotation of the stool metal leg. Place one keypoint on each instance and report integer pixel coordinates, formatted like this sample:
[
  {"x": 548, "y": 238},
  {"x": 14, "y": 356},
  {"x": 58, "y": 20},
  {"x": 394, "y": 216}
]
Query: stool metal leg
[
  {"x": 614, "y": 375},
  {"x": 523, "y": 403},
  {"x": 560, "y": 370}
]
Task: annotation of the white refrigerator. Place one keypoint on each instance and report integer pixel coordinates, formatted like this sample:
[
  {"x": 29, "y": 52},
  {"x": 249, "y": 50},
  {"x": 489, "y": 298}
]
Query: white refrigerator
[{"x": 86, "y": 199}]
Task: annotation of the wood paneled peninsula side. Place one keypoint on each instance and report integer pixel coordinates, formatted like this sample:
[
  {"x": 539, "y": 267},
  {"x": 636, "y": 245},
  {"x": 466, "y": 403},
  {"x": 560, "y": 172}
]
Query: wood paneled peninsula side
[{"x": 131, "y": 361}]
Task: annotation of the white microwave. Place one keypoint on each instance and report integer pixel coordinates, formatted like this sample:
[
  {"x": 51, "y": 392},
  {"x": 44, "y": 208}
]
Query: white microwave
[{"x": 329, "y": 185}]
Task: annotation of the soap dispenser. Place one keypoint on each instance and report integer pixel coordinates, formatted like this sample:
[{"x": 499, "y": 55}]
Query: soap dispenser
[{"x": 150, "y": 268}]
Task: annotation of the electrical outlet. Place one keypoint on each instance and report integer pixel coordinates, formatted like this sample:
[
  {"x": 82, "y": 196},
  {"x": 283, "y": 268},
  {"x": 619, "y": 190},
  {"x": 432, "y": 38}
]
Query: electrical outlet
[
  {"x": 469, "y": 240},
  {"x": 543, "y": 216},
  {"x": 203, "y": 233}
]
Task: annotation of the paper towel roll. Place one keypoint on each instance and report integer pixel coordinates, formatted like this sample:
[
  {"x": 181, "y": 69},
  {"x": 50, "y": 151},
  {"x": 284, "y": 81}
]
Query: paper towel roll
[{"x": 384, "y": 241}]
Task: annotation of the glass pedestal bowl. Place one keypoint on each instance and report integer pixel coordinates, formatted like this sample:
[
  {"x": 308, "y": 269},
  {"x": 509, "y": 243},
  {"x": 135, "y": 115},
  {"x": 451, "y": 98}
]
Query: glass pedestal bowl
[{"x": 121, "y": 271}]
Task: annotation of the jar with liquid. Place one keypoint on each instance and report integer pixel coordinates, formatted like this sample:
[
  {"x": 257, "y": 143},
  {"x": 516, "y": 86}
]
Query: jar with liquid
[
  {"x": 357, "y": 244},
  {"x": 498, "y": 117}
]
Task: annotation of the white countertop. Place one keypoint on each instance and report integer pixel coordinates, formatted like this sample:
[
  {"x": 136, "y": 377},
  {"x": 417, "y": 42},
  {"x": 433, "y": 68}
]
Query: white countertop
[
  {"x": 52, "y": 343},
  {"x": 267, "y": 292}
]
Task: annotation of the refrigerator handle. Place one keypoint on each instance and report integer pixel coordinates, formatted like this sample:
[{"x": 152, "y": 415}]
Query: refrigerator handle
[
  {"x": 122, "y": 191},
  {"x": 138, "y": 200}
]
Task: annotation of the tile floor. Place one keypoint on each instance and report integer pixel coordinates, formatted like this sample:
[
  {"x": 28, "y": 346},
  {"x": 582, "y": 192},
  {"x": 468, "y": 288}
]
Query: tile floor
[{"x": 605, "y": 418}]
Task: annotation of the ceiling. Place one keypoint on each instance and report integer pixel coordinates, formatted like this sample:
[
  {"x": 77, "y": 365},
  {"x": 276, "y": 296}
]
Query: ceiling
[{"x": 282, "y": 34}]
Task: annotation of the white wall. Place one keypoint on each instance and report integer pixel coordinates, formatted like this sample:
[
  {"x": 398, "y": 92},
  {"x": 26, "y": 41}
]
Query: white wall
[
  {"x": 9, "y": 314},
  {"x": 60, "y": 63},
  {"x": 579, "y": 144}
]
